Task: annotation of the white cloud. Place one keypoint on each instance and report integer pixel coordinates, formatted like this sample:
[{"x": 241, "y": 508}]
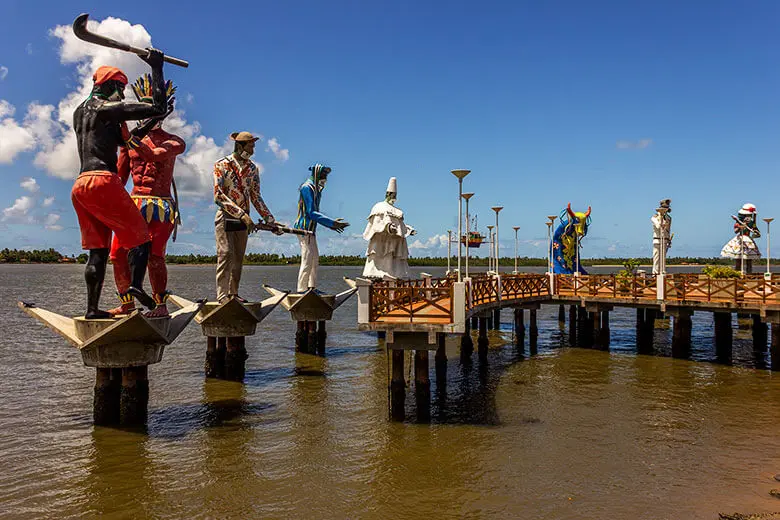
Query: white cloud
[
  {"x": 20, "y": 210},
  {"x": 3, "y": 72},
  {"x": 633, "y": 145},
  {"x": 48, "y": 201},
  {"x": 48, "y": 129},
  {"x": 431, "y": 244},
  {"x": 29, "y": 48},
  {"x": 14, "y": 138},
  {"x": 50, "y": 221},
  {"x": 30, "y": 184},
  {"x": 281, "y": 153}
]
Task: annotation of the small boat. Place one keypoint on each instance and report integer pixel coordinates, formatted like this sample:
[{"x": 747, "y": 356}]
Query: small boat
[{"x": 475, "y": 238}]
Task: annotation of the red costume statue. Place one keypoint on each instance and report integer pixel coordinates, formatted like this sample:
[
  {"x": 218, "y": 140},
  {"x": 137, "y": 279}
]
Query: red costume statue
[{"x": 151, "y": 166}]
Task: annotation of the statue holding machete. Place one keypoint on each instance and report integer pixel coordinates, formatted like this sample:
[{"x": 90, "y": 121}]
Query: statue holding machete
[{"x": 101, "y": 202}]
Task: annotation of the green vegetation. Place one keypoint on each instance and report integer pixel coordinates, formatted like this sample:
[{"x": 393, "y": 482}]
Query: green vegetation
[
  {"x": 51, "y": 256},
  {"x": 625, "y": 276},
  {"x": 721, "y": 271}
]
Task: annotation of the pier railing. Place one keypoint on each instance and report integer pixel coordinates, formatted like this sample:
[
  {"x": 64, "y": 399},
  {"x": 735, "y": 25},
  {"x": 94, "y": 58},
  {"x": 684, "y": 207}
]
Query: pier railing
[{"x": 430, "y": 300}]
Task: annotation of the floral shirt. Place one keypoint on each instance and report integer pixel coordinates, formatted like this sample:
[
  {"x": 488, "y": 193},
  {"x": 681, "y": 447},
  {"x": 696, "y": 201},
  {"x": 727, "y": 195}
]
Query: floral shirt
[{"x": 236, "y": 186}]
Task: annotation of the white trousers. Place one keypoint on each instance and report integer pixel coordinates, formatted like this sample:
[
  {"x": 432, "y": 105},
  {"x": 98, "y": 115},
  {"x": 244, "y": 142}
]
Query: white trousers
[{"x": 310, "y": 261}]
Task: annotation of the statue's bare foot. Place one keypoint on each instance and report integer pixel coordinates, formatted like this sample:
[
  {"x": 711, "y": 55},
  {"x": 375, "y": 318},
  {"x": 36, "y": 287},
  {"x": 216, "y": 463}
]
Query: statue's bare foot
[
  {"x": 125, "y": 308},
  {"x": 161, "y": 311}
]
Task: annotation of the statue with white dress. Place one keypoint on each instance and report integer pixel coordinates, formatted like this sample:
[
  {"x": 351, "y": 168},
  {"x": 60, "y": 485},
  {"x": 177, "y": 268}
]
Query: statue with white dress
[
  {"x": 386, "y": 232},
  {"x": 662, "y": 235}
]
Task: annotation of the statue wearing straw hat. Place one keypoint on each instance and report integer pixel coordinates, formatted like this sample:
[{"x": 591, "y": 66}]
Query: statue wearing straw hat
[
  {"x": 236, "y": 184},
  {"x": 386, "y": 232}
]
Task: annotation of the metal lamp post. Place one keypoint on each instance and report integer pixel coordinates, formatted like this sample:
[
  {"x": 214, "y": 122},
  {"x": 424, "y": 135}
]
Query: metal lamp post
[
  {"x": 466, "y": 197},
  {"x": 490, "y": 248},
  {"x": 497, "y": 209},
  {"x": 768, "y": 245},
  {"x": 516, "y": 228},
  {"x": 662, "y": 267},
  {"x": 449, "y": 249},
  {"x": 460, "y": 174},
  {"x": 550, "y": 253}
]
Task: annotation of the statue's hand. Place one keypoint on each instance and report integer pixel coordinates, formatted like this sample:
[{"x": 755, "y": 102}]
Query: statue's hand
[
  {"x": 412, "y": 232},
  {"x": 339, "y": 225}
]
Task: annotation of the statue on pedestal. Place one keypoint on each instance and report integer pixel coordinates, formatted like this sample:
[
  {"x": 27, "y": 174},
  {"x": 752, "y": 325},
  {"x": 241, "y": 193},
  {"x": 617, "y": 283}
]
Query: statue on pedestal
[
  {"x": 742, "y": 246},
  {"x": 386, "y": 232},
  {"x": 662, "y": 227}
]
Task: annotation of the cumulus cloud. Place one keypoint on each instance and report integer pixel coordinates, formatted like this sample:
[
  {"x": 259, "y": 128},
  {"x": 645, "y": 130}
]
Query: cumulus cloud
[
  {"x": 50, "y": 221},
  {"x": 14, "y": 138},
  {"x": 30, "y": 184},
  {"x": 19, "y": 211},
  {"x": 48, "y": 201},
  {"x": 3, "y": 72},
  {"x": 633, "y": 145},
  {"x": 281, "y": 153}
]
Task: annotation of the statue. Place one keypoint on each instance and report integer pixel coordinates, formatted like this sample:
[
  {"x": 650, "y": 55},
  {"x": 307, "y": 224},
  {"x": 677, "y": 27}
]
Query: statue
[
  {"x": 151, "y": 165},
  {"x": 386, "y": 232},
  {"x": 236, "y": 183},
  {"x": 742, "y": 246},
  {"x": 99, "y": 197},
  {"x": 662, "y": 227},
  {"x": 566, "y": 241},
  {"x": 309, "y": 216}
]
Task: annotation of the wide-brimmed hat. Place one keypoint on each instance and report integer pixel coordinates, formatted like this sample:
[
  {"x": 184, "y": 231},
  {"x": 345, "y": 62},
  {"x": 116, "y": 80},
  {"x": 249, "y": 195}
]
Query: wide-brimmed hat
[
  {"x": 243, "y": 137},
  {"x": 747, "y": 209}
]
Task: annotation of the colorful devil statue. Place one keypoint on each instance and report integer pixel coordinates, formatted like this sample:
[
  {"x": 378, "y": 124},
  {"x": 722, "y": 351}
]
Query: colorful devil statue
[
  {"x": 150, "y": 164},
  {"x": 566, "y": 241},
  {"x": 742, "y": 246}
]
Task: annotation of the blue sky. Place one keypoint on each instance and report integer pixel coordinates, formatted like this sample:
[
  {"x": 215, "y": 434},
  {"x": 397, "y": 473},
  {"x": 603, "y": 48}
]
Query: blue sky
[{"x": 609, "y": 104}]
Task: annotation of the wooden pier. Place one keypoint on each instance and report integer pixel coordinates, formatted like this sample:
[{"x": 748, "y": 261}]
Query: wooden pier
[{"x": 416, "y": 314}]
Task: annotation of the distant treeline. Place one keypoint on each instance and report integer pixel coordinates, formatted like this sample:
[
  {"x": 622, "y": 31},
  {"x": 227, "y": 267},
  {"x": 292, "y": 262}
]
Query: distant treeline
[{"x": 51, "y": 256}]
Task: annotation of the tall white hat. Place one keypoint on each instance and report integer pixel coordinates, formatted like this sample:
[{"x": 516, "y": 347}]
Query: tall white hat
[{"x": 391, "y": 186}]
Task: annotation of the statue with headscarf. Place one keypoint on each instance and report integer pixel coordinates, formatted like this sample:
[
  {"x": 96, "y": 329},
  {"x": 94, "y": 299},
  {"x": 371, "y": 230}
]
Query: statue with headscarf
[{"x": 386, "y": 232}]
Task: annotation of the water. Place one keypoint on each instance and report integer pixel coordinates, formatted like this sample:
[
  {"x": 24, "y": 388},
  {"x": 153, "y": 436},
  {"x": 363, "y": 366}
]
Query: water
[{"x": 566, "y": 434}]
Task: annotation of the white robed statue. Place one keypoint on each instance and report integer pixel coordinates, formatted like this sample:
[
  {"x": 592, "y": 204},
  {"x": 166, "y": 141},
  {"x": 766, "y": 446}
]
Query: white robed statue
[
  {"x": 662, "y": 234},
  {"x": 386, "y": 232}
]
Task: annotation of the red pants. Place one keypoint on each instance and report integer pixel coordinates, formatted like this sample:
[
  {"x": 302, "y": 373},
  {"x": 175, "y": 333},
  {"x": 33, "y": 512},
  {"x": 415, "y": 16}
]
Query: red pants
[
  {"x": 158, "y": 272},
  {"x": 103, "y": 205}
]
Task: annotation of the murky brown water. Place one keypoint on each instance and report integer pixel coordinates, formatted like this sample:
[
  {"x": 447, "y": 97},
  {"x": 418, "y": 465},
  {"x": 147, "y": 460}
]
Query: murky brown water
[{"x": 567, "y": 433}]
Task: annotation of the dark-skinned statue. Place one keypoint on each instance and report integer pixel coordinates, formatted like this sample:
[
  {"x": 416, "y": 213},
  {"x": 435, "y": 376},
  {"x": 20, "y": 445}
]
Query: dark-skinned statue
[{"x": 99, "y": 197}]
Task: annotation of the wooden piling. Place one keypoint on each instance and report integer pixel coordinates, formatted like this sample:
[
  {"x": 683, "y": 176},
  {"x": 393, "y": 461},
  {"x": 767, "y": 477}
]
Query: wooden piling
[
  {"x": 134, "y": 396},
  {"x": 572, "y": 325},
  {"x": 235, "y": 358},
  {"x": 723, "y": 336},
  {"x": 322, "y": 336},
  {"x": 605, "y": 332},
  {"x": 466, "y": 343},
  {"x": 595, "y": 317},
  {"x": 422, "y": 386},
  {"x": 519, "y": 327},
  {"x": 474, "y": 322},
  {"x": 681, "y": 334},
  {"x": 497, "y": 319},
  {"x": 645, "y": 330},
  {"x": 105, "y": 405},
  {"x": 775, "y": 346},
  {"x": 215, "y": 357},
  {"x": 760, "y": 334},
  {"x": 488, "y": 321},
  {"x": 397, "y": 386},
  {"x": 561, "y": 316},
  {"x": 441, "y": 361},
  {"x": 482, "y": 339},
  {"x": 311, "y": 337},
  {"x": 584, "y": 328},
  {"x": 301, "y": 337},
  {"x": 533, "y": 330}
]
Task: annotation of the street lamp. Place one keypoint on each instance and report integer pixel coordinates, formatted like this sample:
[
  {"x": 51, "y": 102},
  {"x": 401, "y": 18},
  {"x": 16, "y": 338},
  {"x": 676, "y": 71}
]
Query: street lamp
[
  {"x": 768, "y": 245},
  {"x": 466, "y": 197},
  {"x": 516, "y": 228},
  {"x": 490, "y": 248},
  {"x": 498, "y": 256},
  {"x": 460, "y": 174},
  {"x": 550, "y": 253},
  {"x": 449, "y": 249}
]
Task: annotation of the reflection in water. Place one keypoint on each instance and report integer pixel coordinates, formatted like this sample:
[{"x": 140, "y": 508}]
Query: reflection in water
[
  {"x": 119, "y": 470},
  {"x": 565, "y": 433}
]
